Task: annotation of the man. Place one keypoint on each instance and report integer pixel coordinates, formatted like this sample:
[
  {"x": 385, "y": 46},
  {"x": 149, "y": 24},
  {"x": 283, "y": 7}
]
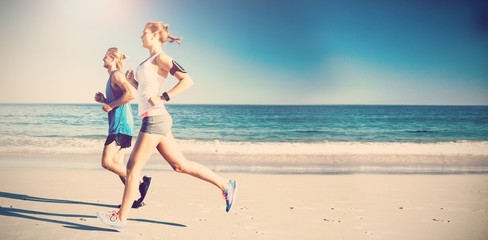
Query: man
[{"x": 119, "y": 93}]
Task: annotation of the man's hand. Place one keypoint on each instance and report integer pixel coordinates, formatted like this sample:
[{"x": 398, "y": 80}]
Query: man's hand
[
  {"x": 107, "y": 108},
  {"x": 100, "y": 98}
]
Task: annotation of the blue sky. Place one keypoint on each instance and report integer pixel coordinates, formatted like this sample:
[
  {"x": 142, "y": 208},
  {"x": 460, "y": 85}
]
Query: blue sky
[{"x": 255, "y": 52}]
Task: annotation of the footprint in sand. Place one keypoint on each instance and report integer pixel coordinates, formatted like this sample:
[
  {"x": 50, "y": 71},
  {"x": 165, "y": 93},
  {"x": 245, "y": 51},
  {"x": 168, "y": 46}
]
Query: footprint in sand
[{"x": 440, "y": 220}]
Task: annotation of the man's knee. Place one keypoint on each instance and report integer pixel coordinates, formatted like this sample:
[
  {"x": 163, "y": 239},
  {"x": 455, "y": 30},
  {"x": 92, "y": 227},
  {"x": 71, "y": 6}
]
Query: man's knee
[{"x": 106, "y": 164}]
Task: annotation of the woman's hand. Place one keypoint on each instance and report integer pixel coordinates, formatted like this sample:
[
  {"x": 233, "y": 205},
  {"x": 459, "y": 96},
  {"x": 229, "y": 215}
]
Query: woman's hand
[
  {"x": 155, "y": 100},
  {"x": 100, "y": 98},
  {"x": 129, "y": 75}
]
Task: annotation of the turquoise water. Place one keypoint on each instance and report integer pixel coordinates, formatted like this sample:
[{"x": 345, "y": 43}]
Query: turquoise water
[
  {"x": 279, "y": 139},
  {"x": 331, "y": 123},
  {"x": 243, "y": 123}
]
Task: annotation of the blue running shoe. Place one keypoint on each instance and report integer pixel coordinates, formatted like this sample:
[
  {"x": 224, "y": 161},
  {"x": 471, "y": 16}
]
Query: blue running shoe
[{"x": 230, "y": 194}]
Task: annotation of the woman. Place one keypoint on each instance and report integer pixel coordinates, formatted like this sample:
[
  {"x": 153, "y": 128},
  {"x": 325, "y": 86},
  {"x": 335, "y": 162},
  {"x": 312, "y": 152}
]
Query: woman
[
  {"x": 156, "y": 123},
  {"x": 120, "y": 120}
]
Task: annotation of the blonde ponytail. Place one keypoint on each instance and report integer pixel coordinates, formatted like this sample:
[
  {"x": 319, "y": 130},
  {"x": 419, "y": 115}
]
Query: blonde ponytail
[
  {"x": 163, "y": 30},
  {"x": 172, "y": 39}
]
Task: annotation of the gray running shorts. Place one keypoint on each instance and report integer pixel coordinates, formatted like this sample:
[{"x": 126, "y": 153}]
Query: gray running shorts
[{"x": 159, "y": 124}]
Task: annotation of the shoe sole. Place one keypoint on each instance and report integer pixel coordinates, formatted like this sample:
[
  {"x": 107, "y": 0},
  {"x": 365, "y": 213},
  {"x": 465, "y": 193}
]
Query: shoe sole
[
  {"x": 145, "y": 190},
  {"x": 136, "y": 204}
]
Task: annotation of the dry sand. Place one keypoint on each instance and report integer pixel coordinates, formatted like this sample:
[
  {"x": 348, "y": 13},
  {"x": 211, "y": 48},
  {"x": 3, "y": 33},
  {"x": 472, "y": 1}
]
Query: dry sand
[{"x": 61, "y": 204}]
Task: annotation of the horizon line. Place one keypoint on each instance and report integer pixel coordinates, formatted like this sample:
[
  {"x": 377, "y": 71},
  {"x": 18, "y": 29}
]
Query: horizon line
[{"x": 268, "y": 104}]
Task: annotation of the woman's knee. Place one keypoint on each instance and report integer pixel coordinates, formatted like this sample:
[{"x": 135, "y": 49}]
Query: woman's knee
[
  {"x": 180, "y": 168},
  {"x": 132, "y": 168}
]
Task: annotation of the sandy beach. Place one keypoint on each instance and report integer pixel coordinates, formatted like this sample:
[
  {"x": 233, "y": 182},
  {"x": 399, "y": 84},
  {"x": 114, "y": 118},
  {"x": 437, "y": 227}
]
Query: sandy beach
[
  {"x": 61, "y": 204},
  {"x": 362, "y": 120}
]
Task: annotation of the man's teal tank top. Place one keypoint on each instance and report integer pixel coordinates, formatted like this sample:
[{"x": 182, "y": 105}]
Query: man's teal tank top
[{"x": 120, "y": 119}]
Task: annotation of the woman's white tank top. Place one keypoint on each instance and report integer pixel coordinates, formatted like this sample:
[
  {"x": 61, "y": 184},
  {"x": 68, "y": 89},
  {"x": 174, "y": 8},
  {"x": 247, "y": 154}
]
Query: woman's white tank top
[{"x": 150, "y": 84}]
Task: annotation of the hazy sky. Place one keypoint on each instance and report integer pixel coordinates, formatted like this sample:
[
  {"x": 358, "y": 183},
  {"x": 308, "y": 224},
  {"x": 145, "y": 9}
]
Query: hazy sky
[{"x": 255, "y": 52}]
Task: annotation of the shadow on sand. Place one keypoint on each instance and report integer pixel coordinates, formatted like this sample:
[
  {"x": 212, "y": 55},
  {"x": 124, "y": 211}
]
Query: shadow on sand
[
  {"x": 42, "y": 216},
  {"x": 50, "y": 200}
]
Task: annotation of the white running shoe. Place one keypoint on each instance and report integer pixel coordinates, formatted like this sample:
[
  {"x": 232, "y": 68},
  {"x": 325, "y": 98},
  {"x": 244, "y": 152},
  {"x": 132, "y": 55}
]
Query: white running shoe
[{"x": 111, "y": 219}]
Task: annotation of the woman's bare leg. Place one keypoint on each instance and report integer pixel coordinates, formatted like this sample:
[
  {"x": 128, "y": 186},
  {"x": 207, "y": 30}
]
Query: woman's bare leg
[
  {"x": 141, "y": 153},
  {"x": 168, "y": 148}
]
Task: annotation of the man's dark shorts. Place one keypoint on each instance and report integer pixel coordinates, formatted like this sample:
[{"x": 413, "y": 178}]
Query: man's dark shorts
[{"x": 124, "y": 141}]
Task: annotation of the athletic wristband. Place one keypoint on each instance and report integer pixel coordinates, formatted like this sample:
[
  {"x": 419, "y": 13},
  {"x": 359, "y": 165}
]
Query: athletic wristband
[{"x": 166, "y": 96}]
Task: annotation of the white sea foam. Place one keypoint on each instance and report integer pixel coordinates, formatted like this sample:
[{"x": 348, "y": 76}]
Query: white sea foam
[
  {"x": 49, "y": 145},
  {"x": 325, "y": 157},
  {"x": 337, "y": 148},
  {"x": 22, "y": 144}
]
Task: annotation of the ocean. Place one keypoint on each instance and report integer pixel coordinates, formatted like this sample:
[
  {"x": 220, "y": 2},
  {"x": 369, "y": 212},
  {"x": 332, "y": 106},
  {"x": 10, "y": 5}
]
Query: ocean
[{"x": 252, "y": 133}]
